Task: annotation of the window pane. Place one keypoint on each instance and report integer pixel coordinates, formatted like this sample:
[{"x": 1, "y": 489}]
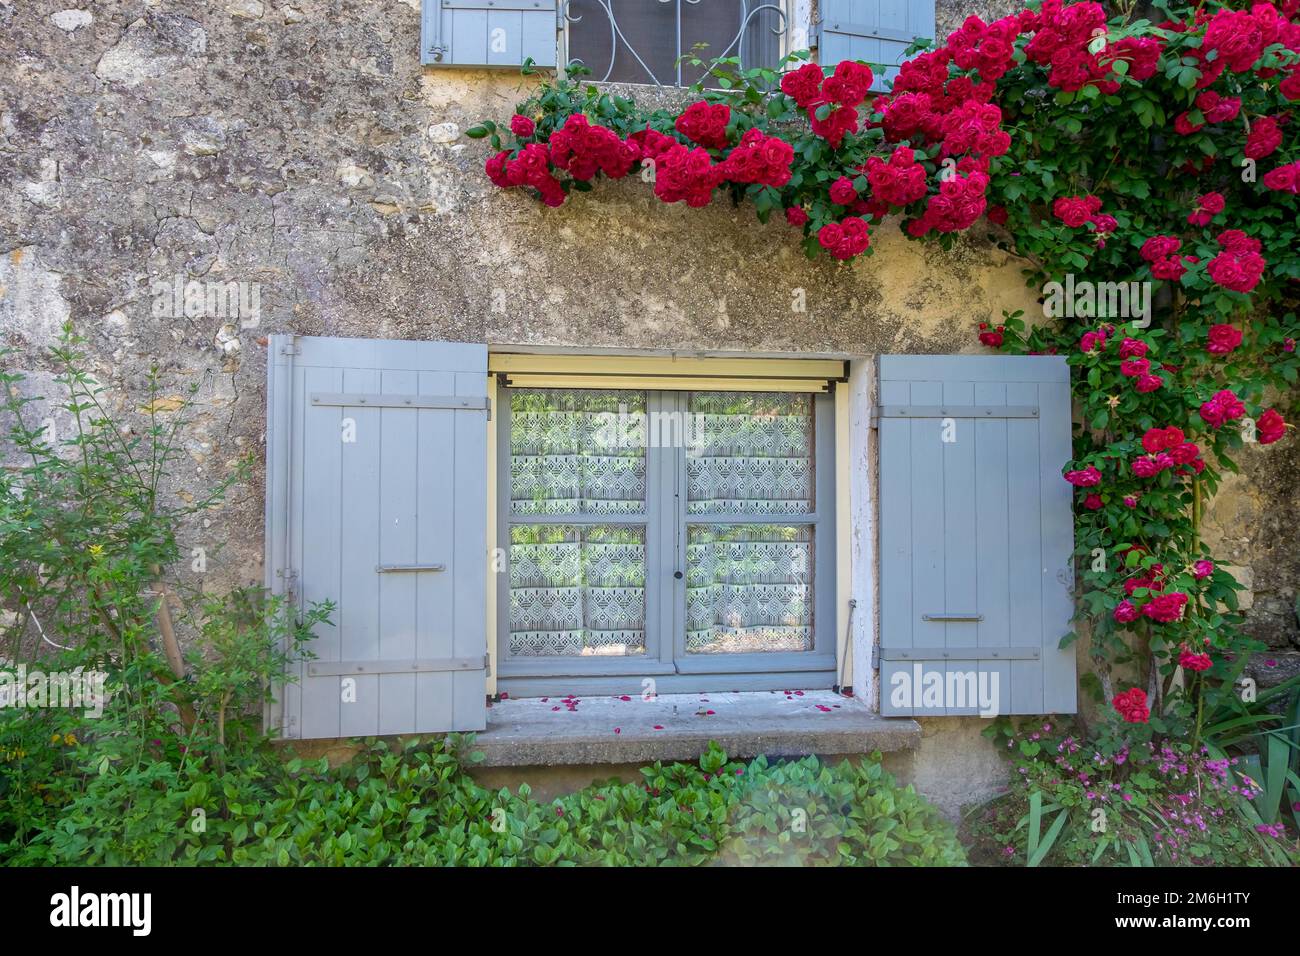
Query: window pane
[
  {"x": 750, "y": 453},
  {"x": 648, "y": 48},
  {"x": 577, "y": 452},
  {"x": 748, "y": 588},
  {"x": 577, "y": 590}
]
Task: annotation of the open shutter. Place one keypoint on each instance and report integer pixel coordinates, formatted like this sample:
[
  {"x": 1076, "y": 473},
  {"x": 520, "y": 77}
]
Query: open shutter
[
  {"x": 876, "y": 31},
  {"x": 488, "y": 32},
  {"x": 377, "y": 501},
  {"x": 976, "y": 534}
]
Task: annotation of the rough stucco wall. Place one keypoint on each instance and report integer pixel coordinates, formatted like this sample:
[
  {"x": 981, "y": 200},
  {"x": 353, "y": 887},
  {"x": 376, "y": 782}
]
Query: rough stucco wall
[{"x": 300, "y": 146}]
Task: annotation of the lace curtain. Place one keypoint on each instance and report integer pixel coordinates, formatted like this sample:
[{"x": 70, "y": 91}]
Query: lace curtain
[
  {"x": 577, "y": 452},
  {"x": 749, "y": 586},
  {"x": 750, "y": 453},
  {"x": 577, "y": 590}
]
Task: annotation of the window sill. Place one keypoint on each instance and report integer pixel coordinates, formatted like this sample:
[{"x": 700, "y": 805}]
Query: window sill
[{"x": 531, "y": 732}]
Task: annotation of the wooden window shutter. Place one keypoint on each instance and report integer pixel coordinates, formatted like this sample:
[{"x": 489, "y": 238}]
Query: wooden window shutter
[
  {"x": 376, "y": 500},
  {"x": 976, "y": 533},
  {"x": 488, "y": 33},
  {"x": 875, "y": 31}
]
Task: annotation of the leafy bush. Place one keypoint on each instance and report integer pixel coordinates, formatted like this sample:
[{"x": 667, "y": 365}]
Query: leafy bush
[{"x": 413, "y": 804}]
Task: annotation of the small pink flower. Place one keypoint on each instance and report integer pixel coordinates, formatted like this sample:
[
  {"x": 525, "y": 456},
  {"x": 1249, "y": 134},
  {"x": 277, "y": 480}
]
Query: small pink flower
[{"x": 1203, "y": 568}]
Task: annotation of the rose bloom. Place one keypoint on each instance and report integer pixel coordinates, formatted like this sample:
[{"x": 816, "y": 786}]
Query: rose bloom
[
  {"x": 1125, "y": 612},
  {"x": 1085, "y": 478},
  {"x": 1165, "y": 608},
  {"x": 1093, "y": 502},
  {"x": 1203, "y": 568},
  {"x": 1223, "y": 339},
  {"x": 1132, "y": 348},
  {"x": 1271, "y": 427},
  {"x": 522, "y": 126},
  {"x": 1194, "y": 662}
]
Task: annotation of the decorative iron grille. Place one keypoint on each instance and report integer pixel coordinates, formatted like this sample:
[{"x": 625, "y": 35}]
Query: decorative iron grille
[{"x": 644, "y": 41}]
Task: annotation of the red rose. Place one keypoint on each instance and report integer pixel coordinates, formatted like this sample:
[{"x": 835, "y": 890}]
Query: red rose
[
  {"x": 842, "y": 191},
  {"x": 1072, "y": 210},
  {"x": 1160, "y": 439},
  {"x": 796, "y": 216},
  {"x": 1223, "y": 339},
  {"x": 1165, "y": 608},
  {"x": 1194, "y": 662},
  {"x": 1271, "y": 427},
  {"x": 1265, "y": 136},
  {"x": 1284, "y": 179},
  {"x": 522, "y": 126},
  {"x": 804, "y": 84},
  {"x": 1158, "y": 247},
  {"x": 1084, "y": 478},
  {"x": 705, "y": 123},
  {"x": 1132, "y": 706}
]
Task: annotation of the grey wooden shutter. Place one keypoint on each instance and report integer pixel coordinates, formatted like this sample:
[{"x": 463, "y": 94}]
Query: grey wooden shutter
[
  {"x": 488, "y": 32},
  {"x": 877, "y": 31},
  {"x": 376, "y": 500},
  {"x": 976, "y": 533}
]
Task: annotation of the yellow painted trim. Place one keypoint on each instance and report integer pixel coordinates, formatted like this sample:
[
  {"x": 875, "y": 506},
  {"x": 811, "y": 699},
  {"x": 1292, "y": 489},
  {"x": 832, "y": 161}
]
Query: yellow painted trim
[
  {"x": 489, "y": 554},
  {"x": 843, "y": 533},
  {"x": 701, "y": 383},
  {"x": 631, "y": 365}
]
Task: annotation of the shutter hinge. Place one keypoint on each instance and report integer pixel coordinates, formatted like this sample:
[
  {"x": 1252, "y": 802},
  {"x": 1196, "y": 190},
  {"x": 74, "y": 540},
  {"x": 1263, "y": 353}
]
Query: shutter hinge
[
  {"x": 487, "y": 664},
  {"x": 290, "y": 578},
  {"x": 291, "y": 347},
  {"x": 489, "y": 409},
  {"x": 875, "y": 417}
]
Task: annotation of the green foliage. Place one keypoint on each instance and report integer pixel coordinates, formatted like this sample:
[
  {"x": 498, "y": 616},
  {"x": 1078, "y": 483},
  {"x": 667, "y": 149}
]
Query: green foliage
[
  {"x": 412, "y": 803},
  {"x": 1072, "y": 803}
]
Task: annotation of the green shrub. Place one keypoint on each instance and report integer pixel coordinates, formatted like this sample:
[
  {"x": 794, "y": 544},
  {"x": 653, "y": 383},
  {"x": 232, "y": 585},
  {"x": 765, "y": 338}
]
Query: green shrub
[{"x": 414, "y": 804}]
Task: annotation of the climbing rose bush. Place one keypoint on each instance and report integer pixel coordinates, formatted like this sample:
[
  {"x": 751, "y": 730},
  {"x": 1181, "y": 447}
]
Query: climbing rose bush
[{"x": 1095, "y": 144}]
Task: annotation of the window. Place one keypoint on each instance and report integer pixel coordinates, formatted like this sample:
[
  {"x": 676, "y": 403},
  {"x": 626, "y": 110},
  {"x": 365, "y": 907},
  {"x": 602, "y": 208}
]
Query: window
[
  {"x": 641, "y": 41},
  {"x": 685, "y": 535}
]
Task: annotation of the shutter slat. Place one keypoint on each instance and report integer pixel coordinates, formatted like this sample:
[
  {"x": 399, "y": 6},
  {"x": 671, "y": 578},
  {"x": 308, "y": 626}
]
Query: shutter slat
[{"x": 978, "y": 526}]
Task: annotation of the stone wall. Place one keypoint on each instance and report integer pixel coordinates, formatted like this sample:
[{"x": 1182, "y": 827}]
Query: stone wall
[{"x": 300, "y": 147}]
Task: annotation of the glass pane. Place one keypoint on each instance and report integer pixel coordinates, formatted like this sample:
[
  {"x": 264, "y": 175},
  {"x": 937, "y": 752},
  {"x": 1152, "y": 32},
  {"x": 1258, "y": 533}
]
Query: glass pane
[
  {"x": 577, "y": 591},
  {"x": 750, "y": 453},
  {"x": 748, "y": 588},
  {"x": 577, "y": 452},
  {"x": 647, "y": 49}
]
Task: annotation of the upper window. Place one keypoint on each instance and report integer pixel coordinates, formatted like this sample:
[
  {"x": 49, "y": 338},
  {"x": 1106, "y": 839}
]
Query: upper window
[{"x": 652, "y": 41}]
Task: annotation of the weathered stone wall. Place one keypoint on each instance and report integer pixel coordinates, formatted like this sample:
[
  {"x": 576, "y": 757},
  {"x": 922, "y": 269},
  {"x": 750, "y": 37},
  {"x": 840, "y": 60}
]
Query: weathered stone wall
[{"x": 300, "y": 146}]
